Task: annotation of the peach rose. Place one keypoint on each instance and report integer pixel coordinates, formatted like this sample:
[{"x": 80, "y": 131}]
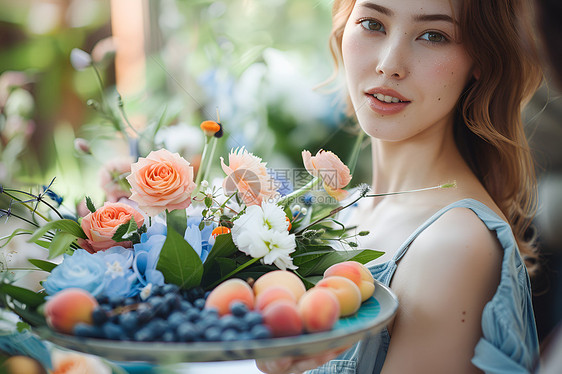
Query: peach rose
[
  {"x": 161, "y": 181},
  {"x": 335, "y": 175},
  {"x": 112, "y": 179},
  {"x": 247, "y": 175},
  {"x": 101, "y": 225}
]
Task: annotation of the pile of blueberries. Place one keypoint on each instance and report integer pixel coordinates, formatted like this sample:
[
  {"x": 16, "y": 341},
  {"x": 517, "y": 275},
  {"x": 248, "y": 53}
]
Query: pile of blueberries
[{"x": 171, "y": 315}]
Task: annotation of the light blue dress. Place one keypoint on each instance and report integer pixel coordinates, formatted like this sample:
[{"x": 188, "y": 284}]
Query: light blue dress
[{"x": 509, "y": 343}]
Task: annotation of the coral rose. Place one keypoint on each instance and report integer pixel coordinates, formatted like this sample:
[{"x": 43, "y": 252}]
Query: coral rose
[
  {"x": 326, "y": 165},
  {"x": 161, "y": 181},
  {"x": 247, "y": 175},
  {"x": 101, "y": 225}
]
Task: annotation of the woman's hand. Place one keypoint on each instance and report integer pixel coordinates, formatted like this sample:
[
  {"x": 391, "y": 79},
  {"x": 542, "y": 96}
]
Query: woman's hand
[{"x": 294, "y": 365}]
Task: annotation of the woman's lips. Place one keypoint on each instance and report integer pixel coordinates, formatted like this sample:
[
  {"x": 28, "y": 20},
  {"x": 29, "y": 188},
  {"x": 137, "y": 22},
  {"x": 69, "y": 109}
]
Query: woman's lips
[{"x": 386, "y": 103}]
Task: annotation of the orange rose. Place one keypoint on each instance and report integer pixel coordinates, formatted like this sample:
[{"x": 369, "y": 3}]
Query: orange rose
[
  {"x": 161, "y": 181},
  {"x": 326, "y": 165},
  {"x": 101, "y": 225},
  {"x": 248, "y": 176}
]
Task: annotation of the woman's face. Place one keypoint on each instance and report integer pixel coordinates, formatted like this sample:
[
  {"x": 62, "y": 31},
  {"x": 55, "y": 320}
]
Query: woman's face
[{"x": 405, "y": 70}]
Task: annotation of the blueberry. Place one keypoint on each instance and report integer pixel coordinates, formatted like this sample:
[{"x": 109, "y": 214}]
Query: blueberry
[
  {"x": 185, "y": 305},
  {"x": 172, "y": 301},
  {"x": 85, "y": 330},
  {"x": 112, "y": 331},
  {"x": 260, "y": 332},
  {"x": 213, "y": 333},
  {"x": 145, "y": 334},
  {"x": 99, "y": 316},
  {"x": 238, "y": 309},
  {"x": 199, "y": 303},
  {"x": 168, "y": 336},
  {"x": 228, "y": 322},
  {"x": 159, "y": 307},
  {"x": 229, "y": 335},
  {"x": 158, "y": 326},
  {"x": 169, "y": 288},
  {"x": 187, "y": 332},
  {"x": 192, "y": 315},
  {"x": 102, "y": 299},
  {"x": 129, "y": 321},
  {"x": 115, "y": 301},
  {"x": 144, "y": 313},
  {"x": 129, "y": 301},
  {"x": 176, "y": 319},
  {"x": 253, "y": 318}
]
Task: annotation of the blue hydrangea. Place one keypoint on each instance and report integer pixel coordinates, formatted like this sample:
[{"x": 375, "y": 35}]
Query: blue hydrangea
[
  {"x": 81, "y": 270},
  {"x": 119, "y": 278},
  {"x": 200, "y": 240}
]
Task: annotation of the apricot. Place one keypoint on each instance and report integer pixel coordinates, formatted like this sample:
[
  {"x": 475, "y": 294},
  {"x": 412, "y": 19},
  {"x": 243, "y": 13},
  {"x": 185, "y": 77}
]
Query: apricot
[
  {"x": 272, "y": 294},
  {"x": 283, "y": 278},
  {"x": 283, "y": 318},
  {"x": 356, "y": 272},
  {"x": 319, "y": 309},
  {"x": 21, "y": 365},
  {"x": 69, "y": 307},
  {"x": 347, "y": 292},
  {"x": 228, "y": 292}
]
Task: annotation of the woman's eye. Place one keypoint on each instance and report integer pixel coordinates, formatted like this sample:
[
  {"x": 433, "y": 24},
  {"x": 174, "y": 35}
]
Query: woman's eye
[
  {"x": 434, "y": 37},
  {"x": 372, "y": 25}
]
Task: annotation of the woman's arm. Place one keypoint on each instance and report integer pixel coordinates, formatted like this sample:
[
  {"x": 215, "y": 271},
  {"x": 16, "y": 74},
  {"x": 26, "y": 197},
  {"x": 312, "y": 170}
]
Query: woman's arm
[{"x": 443, "y": 283}]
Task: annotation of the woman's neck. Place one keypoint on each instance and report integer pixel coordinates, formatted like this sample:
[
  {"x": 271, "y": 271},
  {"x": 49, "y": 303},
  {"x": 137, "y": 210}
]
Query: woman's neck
[{"x": 399, "y": 166}]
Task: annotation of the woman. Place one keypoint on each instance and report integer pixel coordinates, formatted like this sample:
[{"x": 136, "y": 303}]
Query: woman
[{"x": 439, "y": 86}]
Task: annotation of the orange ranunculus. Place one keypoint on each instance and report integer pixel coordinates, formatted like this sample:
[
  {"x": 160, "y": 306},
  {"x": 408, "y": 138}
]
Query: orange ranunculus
[
  {"x": 101, "y": 225},
  {"x": 161, "y": 181},
  {"x": 247, "y": 175},
  {"x": 73, "y": 363},
  {"x": 326, "y": 165}
]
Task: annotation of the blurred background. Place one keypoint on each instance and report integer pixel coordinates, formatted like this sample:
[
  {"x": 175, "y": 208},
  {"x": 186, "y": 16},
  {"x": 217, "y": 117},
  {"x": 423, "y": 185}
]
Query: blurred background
[{"x": 163, "y": 66}]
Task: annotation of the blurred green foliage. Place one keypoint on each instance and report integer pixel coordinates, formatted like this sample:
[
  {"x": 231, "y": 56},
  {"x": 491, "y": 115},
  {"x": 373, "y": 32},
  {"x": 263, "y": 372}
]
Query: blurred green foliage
[{"x": 256, "y": 62}]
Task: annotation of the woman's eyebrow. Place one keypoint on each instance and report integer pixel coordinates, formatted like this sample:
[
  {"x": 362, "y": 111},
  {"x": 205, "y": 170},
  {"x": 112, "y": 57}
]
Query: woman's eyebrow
[{"x": 417, "y": 17}]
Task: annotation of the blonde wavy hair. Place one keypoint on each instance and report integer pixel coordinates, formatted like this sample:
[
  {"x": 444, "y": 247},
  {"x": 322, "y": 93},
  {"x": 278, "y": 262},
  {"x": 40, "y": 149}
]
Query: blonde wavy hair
[{"x": 488, "y": 125}]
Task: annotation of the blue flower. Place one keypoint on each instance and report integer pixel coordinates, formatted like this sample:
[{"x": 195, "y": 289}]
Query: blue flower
[
  {"x": 147, "y": 253},
  {"x": 81, "y": 270},
  {"x": 200, "y": 240},
  {"x": 119, "y": 278}
]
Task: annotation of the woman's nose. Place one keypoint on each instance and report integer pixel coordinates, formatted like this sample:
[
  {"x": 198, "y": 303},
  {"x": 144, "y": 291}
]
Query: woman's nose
[{"x": 392, "y": 59}]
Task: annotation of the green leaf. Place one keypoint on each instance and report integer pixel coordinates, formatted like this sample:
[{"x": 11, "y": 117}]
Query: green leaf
[
  {"x": 323, "y": 262},
  {"x": 124, "y": 231},
  {"x": 43, "y": 265},
  {"x": 91, "y": 207},
  {"x": 208, "y": 201},
  {"x": 60, "y": 243},
  {"x": 177, "y": 219},
  {"x": 223, "y": 247},
  {"x": 179, "y": 263},
  {"x": 23, "y": 295},
  {"x": 63, "y": 225}
]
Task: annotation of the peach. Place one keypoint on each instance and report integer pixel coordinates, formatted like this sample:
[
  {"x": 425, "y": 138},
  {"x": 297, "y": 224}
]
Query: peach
[
  {"x": 69, "y": 307},
  {"x": 356, "y": 272},
  {"x": 319, "y": 309},
  {"x": 346, "y": 291},
  {"x": 283, "y": 318},
  {"x": 272, "y": 294},
  {"x": 228, "y": 292},
  {"x": 280, "y": 278}
]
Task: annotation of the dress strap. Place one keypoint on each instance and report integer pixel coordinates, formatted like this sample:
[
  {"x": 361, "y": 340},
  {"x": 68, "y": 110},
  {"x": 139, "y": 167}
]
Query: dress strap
[{"x": 487, "y": 215}]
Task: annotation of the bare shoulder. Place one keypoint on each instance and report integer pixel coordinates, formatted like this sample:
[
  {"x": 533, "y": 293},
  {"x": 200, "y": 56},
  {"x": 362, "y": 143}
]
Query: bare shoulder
[{"x": 443, "y": 282}]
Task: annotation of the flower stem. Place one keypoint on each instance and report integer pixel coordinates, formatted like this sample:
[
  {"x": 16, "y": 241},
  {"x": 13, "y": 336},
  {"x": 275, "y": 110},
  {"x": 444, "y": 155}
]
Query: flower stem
[
  {"x": 208, "y": 167},
  {"x": 301, "y": 191},
  {"x": 238, "y": 269},
  {"x": 355, "y": 152},
  {"x": 202, "y": 164}
]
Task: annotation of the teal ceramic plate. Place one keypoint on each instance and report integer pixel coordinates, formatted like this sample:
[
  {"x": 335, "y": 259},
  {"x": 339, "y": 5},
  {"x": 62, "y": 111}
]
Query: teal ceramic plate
[{"x": 372, "y": 317}]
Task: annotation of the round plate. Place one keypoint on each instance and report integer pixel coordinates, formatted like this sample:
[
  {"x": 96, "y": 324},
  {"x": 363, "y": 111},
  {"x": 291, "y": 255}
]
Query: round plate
[{"x": 372, "y": 317}]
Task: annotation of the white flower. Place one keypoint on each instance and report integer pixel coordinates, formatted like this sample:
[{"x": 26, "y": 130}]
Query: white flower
[{"x": 261, "y": 232}]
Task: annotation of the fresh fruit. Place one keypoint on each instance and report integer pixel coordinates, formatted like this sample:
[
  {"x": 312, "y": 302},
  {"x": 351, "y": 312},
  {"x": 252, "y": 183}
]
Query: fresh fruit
[
  {"x": 319, "y": 309},
  {"x": 280, "y": 278},
  {"x": 272, "y": 294},
  {"x": 347, "y": 293},
  {"x": 69, "y": 307},
  {"x": 283, "y": 318},
  {"x": 356, "y": 272},
  {"x": 228, "y": 292}
]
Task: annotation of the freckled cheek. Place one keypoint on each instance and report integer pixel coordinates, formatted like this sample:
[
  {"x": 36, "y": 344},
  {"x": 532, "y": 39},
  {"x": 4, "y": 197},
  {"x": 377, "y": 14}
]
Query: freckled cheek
[{"x": 451, "y": 75}]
